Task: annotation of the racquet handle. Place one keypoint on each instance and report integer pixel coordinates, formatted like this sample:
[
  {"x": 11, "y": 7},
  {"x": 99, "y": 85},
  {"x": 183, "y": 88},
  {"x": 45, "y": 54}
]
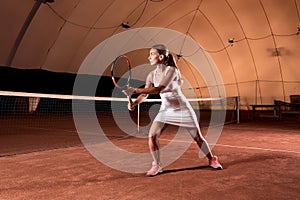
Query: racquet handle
[
  {"x": 129, "y": 99},
  {"x": 129, "y": 96},
  {"x": 131, "y": 102}
]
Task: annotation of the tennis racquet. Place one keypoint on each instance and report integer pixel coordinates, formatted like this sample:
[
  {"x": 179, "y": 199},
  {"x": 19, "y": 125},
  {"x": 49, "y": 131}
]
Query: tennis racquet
[{"x": 121, "y": 73}]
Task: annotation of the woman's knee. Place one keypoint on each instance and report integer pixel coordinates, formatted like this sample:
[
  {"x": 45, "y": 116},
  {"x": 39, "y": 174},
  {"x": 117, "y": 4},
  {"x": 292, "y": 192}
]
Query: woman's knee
[
  {"x": 200, "y": 136},
  {"x": 153, "y": 141},
  {"x": 153, "y": 138},
  {"x": 196, "y": 134}
]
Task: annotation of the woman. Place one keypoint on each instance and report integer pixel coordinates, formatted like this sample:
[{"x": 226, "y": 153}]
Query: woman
[{"x": 175, "y": 109}]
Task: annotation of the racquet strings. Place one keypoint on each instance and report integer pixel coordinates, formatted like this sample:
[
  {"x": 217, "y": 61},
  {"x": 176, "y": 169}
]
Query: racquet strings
[{"x": 121, "y": 71}]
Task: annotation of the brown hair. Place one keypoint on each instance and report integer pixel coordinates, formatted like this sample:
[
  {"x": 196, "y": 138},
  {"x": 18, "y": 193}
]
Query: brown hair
[{"x": 162, "y": 50}]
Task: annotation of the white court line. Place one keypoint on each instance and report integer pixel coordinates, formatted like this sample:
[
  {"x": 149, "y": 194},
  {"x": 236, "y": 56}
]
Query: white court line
[
  {"x": 258, "y": 148},
  {"x": 244, "y": 147}
]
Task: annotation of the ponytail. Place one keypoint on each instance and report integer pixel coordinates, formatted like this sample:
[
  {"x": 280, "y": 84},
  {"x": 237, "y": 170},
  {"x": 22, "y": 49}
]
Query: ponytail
[{"x": 170, "y": 60}]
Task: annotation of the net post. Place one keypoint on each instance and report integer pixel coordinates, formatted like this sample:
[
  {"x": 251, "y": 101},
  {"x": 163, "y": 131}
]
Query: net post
[
  {"x": 138, "y": 118},
  {"x": 237, "y": 102}
]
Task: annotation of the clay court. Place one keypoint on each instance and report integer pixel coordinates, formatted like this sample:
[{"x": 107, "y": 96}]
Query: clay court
[
  {"x": 242, "y": 55},
  {"x": 260, "y": 160}
]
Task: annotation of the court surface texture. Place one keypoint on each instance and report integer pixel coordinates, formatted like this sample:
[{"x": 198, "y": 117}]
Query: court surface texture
[{"x": 261, "y": 160}]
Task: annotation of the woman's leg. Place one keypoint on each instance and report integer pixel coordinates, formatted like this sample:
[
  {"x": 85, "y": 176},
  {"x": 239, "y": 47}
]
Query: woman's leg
[
  {"x": 153, "y": 141},
  {"x": 203, "y": 145},
  {"x": 201, "y": 142}
]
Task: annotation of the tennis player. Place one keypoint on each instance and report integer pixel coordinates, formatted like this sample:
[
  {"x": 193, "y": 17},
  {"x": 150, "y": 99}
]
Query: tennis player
[{"x": 175, "y": 109}]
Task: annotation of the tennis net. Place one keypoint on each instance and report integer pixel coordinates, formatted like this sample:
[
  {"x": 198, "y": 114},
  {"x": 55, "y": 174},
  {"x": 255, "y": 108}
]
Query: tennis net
[
  {"x": 16, "y": 105},
  {"x": 51, "y": 117}
]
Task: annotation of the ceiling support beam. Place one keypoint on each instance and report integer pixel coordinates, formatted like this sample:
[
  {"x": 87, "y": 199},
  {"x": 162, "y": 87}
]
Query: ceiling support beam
[{"x": 24, "y": 29}]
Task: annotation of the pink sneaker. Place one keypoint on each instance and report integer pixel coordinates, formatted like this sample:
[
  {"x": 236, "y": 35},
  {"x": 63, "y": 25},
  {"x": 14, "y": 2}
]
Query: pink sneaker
[
  {"x": 155, "y": 169},
  {"x": 214, "y": 163}
]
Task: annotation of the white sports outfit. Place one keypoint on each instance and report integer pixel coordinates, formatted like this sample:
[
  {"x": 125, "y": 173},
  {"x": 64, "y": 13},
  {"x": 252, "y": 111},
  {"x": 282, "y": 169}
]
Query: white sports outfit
[{"x": 175, "y": 108}]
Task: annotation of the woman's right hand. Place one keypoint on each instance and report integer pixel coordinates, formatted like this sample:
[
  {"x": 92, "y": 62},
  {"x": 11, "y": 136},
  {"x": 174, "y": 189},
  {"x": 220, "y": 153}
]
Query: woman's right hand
[{"x": 130, "y": 106}]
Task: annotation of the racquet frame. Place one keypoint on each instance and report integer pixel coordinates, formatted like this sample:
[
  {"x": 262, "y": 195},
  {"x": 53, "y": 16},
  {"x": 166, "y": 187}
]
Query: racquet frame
[{"x": 129, "y": 74}]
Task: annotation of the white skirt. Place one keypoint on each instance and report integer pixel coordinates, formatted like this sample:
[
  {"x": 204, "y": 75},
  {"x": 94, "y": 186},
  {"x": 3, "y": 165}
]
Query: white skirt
[{"x": 182, "y": 118}]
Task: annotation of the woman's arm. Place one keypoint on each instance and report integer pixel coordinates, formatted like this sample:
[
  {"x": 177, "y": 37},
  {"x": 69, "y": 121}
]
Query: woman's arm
[
  {"x": 162, "y": 85},
  {"x": 141, "y": 97},
  {"x": 148, "y": 89}
]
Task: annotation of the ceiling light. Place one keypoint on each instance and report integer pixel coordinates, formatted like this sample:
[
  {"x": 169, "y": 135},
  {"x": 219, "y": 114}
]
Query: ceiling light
[
  {"x": 125, "y": 25},
  {"x": 231, "y": 40},
  {"x": 179, "y": 56}
]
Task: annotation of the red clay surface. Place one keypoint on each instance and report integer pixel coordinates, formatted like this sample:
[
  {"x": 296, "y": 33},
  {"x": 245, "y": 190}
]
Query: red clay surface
[{"x": 261, "y": 160}]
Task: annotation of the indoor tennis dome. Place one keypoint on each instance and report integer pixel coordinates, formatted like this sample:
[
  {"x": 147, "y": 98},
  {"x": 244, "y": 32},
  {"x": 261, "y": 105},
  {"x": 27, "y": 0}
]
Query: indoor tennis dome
[{"x": 247, "y": 48}]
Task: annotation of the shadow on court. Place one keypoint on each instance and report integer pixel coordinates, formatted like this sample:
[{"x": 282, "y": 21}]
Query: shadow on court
[{"x": 185, "y": 169}]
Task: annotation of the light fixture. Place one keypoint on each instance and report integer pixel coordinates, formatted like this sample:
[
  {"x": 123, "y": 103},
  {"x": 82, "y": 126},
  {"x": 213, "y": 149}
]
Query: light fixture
[
  {"x": 179, "y": 56},
  {"x": 231, "y": 40},
  {"x": 125, "y": 25}
]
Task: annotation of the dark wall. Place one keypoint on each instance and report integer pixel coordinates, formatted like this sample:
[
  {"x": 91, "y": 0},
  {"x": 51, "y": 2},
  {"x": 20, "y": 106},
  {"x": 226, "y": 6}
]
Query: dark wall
[{"x": 43, "y": 81}]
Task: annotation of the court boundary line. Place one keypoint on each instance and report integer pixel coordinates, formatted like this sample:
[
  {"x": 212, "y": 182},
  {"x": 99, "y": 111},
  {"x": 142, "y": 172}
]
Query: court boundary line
[
  {"x": 242, "y": 147},
  {"x": 258, "y": 148}
]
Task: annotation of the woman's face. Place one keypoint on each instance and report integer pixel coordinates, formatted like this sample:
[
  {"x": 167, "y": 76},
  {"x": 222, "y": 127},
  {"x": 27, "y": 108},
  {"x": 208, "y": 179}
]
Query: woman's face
[{"x": 154, "y": 57}]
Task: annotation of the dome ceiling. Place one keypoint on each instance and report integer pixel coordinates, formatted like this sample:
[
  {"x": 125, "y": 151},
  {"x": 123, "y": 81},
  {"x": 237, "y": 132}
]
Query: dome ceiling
[{"x": 254, "y": 44}]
